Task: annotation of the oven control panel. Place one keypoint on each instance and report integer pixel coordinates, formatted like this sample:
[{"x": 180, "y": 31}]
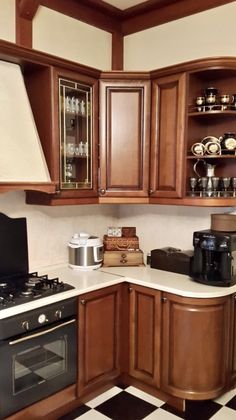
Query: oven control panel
[{"x": 31, "y": 320}]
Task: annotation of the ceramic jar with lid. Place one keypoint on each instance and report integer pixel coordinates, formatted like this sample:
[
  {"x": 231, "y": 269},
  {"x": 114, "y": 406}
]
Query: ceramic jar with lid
[
  {"x": 228, "y": 143},
  {"x": 211, "y": 95}
]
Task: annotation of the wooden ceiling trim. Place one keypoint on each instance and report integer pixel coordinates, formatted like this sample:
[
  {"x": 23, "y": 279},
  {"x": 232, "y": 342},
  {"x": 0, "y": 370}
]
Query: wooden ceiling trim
[
  {"x": 167, "y": 13},
  {"x": 25, "y": 12},
  {"x": 117, "y": 51},
  {"x": 27, "y": 8},
  {"x": 84, "y": 13}
]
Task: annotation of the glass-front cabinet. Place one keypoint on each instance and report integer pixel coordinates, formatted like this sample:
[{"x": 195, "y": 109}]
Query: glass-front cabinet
[{"x": 76, "y": 131}]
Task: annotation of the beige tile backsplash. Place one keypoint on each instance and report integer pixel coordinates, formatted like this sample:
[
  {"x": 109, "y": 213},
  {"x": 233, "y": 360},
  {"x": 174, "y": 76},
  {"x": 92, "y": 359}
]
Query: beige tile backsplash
[{"x": 50, "y": 228}]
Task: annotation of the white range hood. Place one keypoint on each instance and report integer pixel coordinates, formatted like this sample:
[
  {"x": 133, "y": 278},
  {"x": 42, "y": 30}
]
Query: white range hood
[{"x": 21, "y": 156}]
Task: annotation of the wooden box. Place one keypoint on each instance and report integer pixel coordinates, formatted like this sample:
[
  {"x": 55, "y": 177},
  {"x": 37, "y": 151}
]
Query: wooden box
[
  {"x": 223, "y": 222},
  {"x": 121, "y": 258},
  {"x": 120, "y": 244},
  {"x": 128, "y": 232}
]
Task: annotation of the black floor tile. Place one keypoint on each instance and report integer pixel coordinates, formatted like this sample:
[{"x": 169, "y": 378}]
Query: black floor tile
[
  {"x": 75, "y": 413},
  {"x": 173, "y": 410},
  {"x": 125, "y": 406},
  {"x": 195, "y": 410},
  {"x": 122, "y": 386},
  {"x": 232, "y": 403}
]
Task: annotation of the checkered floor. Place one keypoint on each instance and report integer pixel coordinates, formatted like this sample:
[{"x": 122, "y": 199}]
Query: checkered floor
[{"x": 132, "y": 404}]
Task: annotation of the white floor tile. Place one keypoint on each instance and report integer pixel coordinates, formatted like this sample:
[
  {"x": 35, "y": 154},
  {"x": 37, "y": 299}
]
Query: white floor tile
[
  {"x": 223, "y": 399},
  {"x": 162, "y": 415},
  {"x": 103, "y": 397},
  {"x": 224, "y": 413},
  {"x": 144, "y": 396},
  {"x": 92, "y": 415}
]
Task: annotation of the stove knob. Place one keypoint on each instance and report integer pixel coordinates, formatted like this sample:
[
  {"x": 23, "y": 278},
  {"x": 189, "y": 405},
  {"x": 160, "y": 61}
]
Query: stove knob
[
  {"x": 42, "y": 319},
  {"x": 25, "y": 325},
  {"x": 58, "y": 314}
]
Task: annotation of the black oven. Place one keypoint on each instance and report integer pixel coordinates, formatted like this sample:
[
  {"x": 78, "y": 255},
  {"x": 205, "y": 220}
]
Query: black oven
[
  {"x": 37, "y": 347},
  {"x": 40, "y": 361}
]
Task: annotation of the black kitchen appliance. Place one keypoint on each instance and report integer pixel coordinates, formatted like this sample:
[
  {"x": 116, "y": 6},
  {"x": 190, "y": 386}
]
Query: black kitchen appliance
[
  {"x": 37, "y": 347},
  {"x": 214, "y": 258},
  {"x": 171, "y": 259},
  {"x": 17, "y": 285}
]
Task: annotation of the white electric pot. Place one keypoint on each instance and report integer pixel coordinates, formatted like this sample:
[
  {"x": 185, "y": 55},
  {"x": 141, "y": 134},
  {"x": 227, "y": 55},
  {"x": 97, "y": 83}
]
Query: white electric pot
[{"x": 85, "y": 252}]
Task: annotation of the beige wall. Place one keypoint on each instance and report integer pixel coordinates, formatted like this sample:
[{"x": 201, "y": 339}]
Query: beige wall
[
  {"x": 210, "y": 33},
  {"x": 69, "y": 38},
  {"x": 50, "y": 228},
  {"x": 7, "y": 20},
  {"x": 161, "y": 226}
]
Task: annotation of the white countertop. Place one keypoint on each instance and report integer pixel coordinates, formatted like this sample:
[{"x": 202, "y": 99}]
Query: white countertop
[{"x": 87, "y": 281}]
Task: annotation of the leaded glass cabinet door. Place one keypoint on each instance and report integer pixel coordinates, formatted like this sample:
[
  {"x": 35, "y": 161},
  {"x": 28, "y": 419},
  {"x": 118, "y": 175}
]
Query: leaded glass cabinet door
[{"x": 76, "y": 133}]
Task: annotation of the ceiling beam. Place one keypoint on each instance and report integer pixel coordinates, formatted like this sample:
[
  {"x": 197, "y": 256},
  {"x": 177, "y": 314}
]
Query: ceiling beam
[
  {"x": 25, "y": 12},
  {"x": 78, "y": 10},
  {"x": 27, "y": 8},
  {"x": 165, "y": 12}
]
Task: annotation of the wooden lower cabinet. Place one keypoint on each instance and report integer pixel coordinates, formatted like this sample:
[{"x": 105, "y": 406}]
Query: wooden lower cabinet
[
  {"x": 195, "y": 346},
  {"x": 99, "y": 343},
  {"x": 233, "y": 341},
  {"x": 144, "y": 334}
]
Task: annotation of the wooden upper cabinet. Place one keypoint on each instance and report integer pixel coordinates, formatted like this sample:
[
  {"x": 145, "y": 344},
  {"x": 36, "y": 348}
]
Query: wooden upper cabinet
[
  {"x": 167, "y": 136},
  {"x": 124, "y": 137},
  {"x": 65, "y": 106},
  {"x": 195, "y": 346}
]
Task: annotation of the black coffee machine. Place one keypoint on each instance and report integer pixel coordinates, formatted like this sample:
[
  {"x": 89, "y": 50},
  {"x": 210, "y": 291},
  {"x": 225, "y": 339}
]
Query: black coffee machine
[{"x": 214, "y": 259}]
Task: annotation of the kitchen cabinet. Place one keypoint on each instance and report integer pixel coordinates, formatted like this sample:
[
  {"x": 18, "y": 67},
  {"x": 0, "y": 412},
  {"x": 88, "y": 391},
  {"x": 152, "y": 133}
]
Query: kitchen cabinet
[
  {"x": 206, "y": 124},
  {"x": 167, "y": 138},
  {"x": 233, "y": 341},
  {"x": 145, "y": 334},
  {"x": 179, "y": 123},
  {"x": 99, "y": 338},
  {"x": 124, "y": 135},
  {"x": 195, "y": 346},
  {"x": 69, "y": 134}
]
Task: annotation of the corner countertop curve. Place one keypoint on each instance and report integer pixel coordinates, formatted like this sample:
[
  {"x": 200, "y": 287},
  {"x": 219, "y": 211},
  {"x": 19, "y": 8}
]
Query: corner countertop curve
[{"x": 88, "y": 281}]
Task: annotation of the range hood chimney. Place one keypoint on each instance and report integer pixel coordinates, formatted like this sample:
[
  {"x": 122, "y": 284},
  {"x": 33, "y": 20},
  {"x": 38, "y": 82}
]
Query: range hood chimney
[{"x": 21, "y": 158}]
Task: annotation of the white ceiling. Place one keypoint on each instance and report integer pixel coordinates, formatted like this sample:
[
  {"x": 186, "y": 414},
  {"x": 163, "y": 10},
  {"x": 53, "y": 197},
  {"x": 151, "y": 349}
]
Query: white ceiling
[{"x": 124, "y": 4}]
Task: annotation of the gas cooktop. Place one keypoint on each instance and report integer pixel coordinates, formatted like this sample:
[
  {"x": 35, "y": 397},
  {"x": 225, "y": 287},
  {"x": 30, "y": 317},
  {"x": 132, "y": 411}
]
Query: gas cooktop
[{"x": 20, "y": 289}]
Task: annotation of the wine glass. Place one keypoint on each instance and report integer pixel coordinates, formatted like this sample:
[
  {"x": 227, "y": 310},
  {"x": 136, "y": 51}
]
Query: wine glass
[
  {"x": 233, "y": 182},
  {"x": 193, "y": 184},
  {"x": 203, "y": 182},
  {"x": 215, "y": 184},
  {"x": 226, "y": 184}
]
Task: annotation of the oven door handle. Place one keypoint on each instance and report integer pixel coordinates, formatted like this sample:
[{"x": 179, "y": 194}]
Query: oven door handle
[{"x": 29, "y": 337}]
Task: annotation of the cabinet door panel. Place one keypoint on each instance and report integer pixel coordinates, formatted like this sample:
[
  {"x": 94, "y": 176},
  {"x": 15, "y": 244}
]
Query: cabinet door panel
[
  {"x": 195, "y": 346},
  {"x": 99, "y": 325},
  {"x": 145, "y": 334},
  {"x": 167, "y": 148},
  {"x": 124, "y": 138},
  {"x": 233, "y": 341}
]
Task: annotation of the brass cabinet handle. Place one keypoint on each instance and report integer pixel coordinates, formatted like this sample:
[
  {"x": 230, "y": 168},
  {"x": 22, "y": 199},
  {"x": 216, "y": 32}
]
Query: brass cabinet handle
[
  {"x": 164, "y": 299},
  {"x": 151, "y": 191},
  {"x": 102, "y": 191},
  {"x": 130, "y": 289},
  {"x": 124, "y": 261},
  {"x": 83, "y": 301}
]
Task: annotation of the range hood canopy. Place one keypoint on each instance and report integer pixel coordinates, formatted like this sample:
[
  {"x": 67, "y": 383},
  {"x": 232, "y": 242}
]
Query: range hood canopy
[{"x": 21, "y": 158}]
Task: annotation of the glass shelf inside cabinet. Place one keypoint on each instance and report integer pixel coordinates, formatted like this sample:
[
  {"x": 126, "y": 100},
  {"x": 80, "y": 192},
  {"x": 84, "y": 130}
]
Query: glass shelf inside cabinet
[{"x": 75, "y": 135}]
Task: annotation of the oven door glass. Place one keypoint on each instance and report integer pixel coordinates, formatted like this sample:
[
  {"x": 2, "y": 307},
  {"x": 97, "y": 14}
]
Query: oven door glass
[{"x": 37, "y": 365}]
